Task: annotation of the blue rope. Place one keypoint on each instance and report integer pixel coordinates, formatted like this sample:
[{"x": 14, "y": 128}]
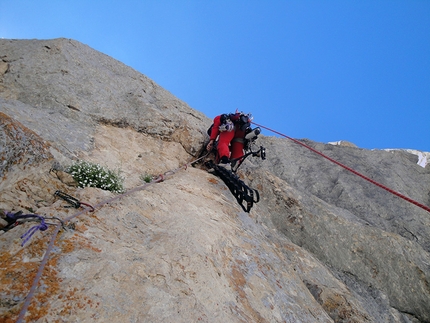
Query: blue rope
[{"x": 42, "y": 226}]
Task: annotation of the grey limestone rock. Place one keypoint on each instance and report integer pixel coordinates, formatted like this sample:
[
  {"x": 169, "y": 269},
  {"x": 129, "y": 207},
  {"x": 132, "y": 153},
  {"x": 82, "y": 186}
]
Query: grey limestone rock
[
  {"x": 364, "y": 233},
  {"x": 73, "y": 87},
  {"x": 322, "y": 245}
]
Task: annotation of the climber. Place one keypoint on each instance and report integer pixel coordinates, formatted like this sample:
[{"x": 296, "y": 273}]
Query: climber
[{"x": 230, "y": 130}]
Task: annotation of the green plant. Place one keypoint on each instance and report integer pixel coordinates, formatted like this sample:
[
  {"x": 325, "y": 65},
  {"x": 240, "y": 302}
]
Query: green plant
[
  {"x": 94, "y": 175},
  {"x": 146, "y": 178}
]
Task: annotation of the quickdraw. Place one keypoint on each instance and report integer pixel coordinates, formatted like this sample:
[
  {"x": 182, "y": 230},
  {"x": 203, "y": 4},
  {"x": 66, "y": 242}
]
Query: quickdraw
[
  {"x": 71, "y": 200},
  {"x": 245, "y": 196}
]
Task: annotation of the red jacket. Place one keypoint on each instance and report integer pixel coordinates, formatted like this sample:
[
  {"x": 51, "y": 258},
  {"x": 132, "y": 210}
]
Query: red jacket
[{"x": 217, "y": 122}]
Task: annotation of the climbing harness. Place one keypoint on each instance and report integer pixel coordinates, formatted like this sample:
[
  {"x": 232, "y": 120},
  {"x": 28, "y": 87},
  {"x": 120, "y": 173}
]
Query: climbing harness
[
  {"x": 245, "y": 196},
  {"x": 44, "y": 261},
  {"x": 71, "y": 200},
  {"x": 425, "y": 207}
]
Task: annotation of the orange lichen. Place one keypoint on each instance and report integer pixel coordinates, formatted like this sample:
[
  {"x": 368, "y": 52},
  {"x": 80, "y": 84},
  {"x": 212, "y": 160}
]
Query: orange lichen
[
  {"x": 79, "y": 241},
  {"x": 81, "y": 227},
  {"x": 213, "y": 180},
  {"x": 18, "y": 274}
]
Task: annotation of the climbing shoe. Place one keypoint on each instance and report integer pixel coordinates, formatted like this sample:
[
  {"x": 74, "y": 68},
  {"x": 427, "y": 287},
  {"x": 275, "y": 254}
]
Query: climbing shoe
[{"x": 225, "y": 162}]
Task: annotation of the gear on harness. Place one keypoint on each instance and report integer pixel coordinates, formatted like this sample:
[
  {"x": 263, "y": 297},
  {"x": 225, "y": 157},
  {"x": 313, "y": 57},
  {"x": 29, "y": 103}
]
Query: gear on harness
[
  {"x": 245, "y": 196},
  {"x": 235, "y": 163},
  {"x": 251, "y": 136},
  {"x": 249, "y": 140}
]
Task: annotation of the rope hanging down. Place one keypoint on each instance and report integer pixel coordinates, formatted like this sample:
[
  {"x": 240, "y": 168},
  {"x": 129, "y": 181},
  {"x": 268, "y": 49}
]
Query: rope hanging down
[
  {"x": 425, "y": 207},
  {"x": 42, "y": 265}
]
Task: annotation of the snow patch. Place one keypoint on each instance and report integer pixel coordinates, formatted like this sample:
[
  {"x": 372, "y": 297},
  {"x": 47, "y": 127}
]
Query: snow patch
[
  {"x": 423, "y": 157},
  {"x": 342, "y": 143}
]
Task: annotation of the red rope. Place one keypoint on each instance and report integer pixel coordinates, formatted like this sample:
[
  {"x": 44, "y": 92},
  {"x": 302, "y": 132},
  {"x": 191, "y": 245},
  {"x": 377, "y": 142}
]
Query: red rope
[{"x": 425, "y": 207}]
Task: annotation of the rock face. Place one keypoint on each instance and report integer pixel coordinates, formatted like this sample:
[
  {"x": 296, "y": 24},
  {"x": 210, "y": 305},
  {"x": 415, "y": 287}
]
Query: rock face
[
  {"x": 67, "y": 88},
  {"x": 322, "y": 245}
]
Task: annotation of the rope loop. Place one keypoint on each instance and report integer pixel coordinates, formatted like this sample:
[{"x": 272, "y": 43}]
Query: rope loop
[{"x": 26, "y": 236}]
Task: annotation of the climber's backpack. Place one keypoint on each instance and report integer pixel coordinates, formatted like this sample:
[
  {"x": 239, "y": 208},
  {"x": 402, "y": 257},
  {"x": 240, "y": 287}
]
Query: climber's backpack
[{"x": 210, "y": 130}]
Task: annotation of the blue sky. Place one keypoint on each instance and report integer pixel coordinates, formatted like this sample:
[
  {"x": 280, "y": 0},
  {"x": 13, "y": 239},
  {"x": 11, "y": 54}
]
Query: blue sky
[{"x": 324, "y": 70}]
